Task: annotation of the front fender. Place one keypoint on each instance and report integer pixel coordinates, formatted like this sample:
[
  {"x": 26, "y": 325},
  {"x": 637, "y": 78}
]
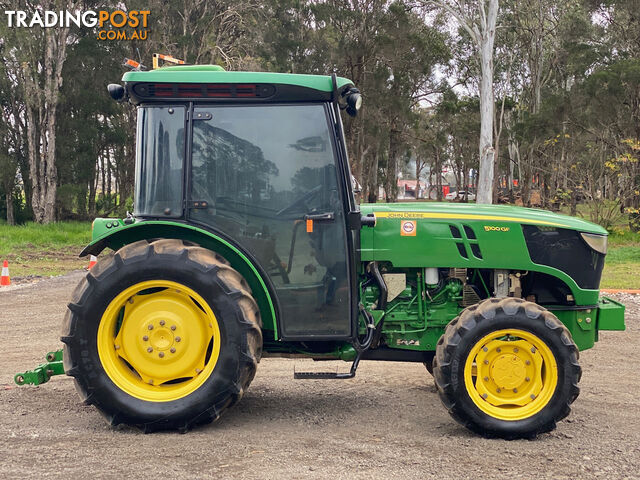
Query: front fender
[{"x": 115, "y": 234}]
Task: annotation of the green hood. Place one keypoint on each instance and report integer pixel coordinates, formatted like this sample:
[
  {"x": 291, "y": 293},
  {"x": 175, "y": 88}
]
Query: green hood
[{"x": 473, "y": 211}]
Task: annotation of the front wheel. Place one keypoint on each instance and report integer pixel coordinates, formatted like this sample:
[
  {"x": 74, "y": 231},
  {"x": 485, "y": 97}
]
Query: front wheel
[
  {"x": 507, "y": 368},
  {"x": 163, "y": 335}
]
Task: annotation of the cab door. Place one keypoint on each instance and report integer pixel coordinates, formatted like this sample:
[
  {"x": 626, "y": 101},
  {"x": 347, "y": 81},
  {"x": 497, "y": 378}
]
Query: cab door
[{"x": 266, "y": 176}]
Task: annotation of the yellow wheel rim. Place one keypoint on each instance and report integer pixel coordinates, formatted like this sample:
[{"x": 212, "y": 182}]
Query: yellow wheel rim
[
  {"x": 511, "y": 374},
  {"x": 158, "y": 341}
]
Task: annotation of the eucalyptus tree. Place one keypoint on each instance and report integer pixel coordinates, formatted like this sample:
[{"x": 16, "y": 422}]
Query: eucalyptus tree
[
  {"x": 42, "y": 53},
  {"x": 479, "y": 19}
]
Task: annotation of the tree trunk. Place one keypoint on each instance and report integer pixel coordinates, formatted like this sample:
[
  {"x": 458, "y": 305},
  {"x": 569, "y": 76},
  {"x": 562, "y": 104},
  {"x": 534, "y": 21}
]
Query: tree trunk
[
  {"x": 93, "y": 183},
  {"x": 43, "y": 79},
  {"x": 371, "y": 180},
  {"x": 487, "y": 151},
  {"x": 418, "y": 170},
  {"x": 511, "y": 149},
  {"x": 438, "y": 176},
  {"x": 525, "y": 181},
  {"x": 391, "y": 184},
  {"x": 103, "y": 174},
  {"x": 8, "y": 197}
]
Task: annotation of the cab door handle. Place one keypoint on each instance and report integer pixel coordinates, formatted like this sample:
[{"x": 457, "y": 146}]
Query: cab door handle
[{"x": 321, "y": 217}]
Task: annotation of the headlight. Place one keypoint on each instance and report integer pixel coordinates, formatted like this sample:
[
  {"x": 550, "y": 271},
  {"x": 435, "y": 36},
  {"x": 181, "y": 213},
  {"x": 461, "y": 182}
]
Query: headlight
[{"x": 597, "y": 242}]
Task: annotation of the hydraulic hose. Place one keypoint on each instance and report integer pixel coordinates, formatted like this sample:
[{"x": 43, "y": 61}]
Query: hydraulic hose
[{"x": 371, "y": 328}]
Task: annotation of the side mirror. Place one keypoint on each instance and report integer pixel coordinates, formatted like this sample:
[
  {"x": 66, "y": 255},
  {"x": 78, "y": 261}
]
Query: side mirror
[
  {"x": 354, "y": 102},
  {"x": 116, "y": 91}
]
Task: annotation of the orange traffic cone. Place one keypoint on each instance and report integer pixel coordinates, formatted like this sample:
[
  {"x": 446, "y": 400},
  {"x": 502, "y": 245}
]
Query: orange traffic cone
[
  {"x": 5, "y": 279},
  {"x": 92, "y": 261}
]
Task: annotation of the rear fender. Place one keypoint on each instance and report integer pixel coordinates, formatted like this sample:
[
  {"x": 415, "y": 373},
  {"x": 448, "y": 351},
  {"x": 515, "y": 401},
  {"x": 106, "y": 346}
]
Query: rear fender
[{"x": 115, "y": 234}]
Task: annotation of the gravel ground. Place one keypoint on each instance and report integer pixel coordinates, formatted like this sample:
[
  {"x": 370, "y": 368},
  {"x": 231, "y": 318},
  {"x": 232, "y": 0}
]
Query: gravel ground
[{"x": 385, "y": 423}]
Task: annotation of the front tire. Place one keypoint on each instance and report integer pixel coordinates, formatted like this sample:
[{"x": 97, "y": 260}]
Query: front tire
[
  {"x": 507, "y": 368},
  {"x": 163, "y": 335}
]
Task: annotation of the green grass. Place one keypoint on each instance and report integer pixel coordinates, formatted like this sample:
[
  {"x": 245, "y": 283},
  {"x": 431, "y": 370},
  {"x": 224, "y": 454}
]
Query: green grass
[
  {"x": 53, "y": 235},
  {"x": 40, "y": 250},
  {"x": 622, "y": 265}
]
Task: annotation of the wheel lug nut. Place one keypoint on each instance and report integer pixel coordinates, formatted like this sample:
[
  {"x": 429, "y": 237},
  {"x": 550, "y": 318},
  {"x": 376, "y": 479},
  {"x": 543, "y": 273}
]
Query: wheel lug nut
[
  {"x": 173, "y": 350},
  {"x": 198, "y": 370},
  {"x": 486, "y": 379},
  {"x": 150, "y": 382},
  {"x": 485, "y": 349},
  {"x": 528, "y": 362},
  {"x": 149, "y": 349},
  {"x": 173, "y": 327},
  {"x": 178, "y": 339},
  {"x": 150, "y": 327},
  {"x": 527, "y": 379},
  {"x": 498, "y": 349},
  {"x": 162, "y": 323},
  {"x": 516, "y": 350},
  {"x": 161, "y": 354},
  {"x": 484, "y": 395},
  {"x": 498, "y": 390},
  {"x": 533, "y": 349},
  {"x": 515, "y": 390},
  {"x": 486, "y": 362},
  {"x": 145, "y": 338},
  {"x": 117, "y": 347},
  {"x": 533, "y": 397}
]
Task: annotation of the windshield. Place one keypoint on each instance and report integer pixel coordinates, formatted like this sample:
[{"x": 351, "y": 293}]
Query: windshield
[{"x": 159, "y": 158}]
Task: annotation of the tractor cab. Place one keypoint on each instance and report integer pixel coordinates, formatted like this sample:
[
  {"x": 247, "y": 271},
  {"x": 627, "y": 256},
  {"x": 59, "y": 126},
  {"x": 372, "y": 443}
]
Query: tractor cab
[{"x": 256, "y": 158}]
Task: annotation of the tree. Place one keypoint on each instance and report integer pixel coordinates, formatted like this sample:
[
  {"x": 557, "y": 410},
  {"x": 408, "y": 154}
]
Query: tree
[
  {"x": 479, "y": 20},
  {"x": 205, "y": 31},
  {"x": 42, "y": 54},
  {"x": 12, "y": 127}
]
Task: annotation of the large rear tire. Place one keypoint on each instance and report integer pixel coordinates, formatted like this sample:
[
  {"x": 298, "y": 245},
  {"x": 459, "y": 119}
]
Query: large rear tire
[
  {"x": 163, "y": 335},
  {"x": 507, "y": 368}
]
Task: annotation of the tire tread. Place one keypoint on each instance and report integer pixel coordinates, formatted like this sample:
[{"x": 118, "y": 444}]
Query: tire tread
[
  {"x": 248, "y": 317},
  {"x": 464, "y": 325}
]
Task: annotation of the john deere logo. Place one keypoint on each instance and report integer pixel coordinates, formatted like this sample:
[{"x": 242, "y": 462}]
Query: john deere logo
[
  {"x": 491, "y": 228},
  {"x": 408, "y": 228}
]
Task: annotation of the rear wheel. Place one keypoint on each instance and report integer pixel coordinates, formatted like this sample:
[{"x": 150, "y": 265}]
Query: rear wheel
[
  {"x": 507, "y": 368},
  {"x": 163, "y": 335}
]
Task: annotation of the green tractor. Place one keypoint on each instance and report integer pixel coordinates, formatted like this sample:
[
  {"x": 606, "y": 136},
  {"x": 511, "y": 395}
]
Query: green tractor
[{"x": 246, "y": 242}]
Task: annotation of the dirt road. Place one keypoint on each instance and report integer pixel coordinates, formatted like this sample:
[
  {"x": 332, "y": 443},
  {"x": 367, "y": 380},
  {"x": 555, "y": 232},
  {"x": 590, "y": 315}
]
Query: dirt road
[{"x": 385, "y": 423}]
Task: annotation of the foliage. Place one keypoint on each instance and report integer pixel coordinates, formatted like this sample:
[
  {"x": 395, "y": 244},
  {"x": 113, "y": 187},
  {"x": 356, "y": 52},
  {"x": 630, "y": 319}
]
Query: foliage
[{"x": 566, "y": 83}]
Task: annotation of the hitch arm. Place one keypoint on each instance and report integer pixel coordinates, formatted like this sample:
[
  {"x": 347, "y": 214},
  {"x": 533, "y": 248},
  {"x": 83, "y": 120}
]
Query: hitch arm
[{"x": 42, "y": 373}]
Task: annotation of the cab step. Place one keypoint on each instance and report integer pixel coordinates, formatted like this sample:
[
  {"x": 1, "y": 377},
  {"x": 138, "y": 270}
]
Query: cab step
[
  {"x": 322, "y": 375},
  {"x": 329, "y": 375}
]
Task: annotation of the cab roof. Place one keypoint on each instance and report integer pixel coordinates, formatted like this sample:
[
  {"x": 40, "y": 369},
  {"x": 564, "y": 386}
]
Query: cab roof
[{"x": 216, "y": 74}]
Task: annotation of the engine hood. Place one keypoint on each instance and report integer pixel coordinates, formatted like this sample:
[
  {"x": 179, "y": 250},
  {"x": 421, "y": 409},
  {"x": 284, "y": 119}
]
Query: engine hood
[{"x": 479, "y": 212}]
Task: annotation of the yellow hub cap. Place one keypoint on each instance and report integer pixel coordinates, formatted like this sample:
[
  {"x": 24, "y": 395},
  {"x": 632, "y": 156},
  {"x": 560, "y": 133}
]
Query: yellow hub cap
[
  {"x": 511, "y": 374},
  {"x": 158, "y": 341}
]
